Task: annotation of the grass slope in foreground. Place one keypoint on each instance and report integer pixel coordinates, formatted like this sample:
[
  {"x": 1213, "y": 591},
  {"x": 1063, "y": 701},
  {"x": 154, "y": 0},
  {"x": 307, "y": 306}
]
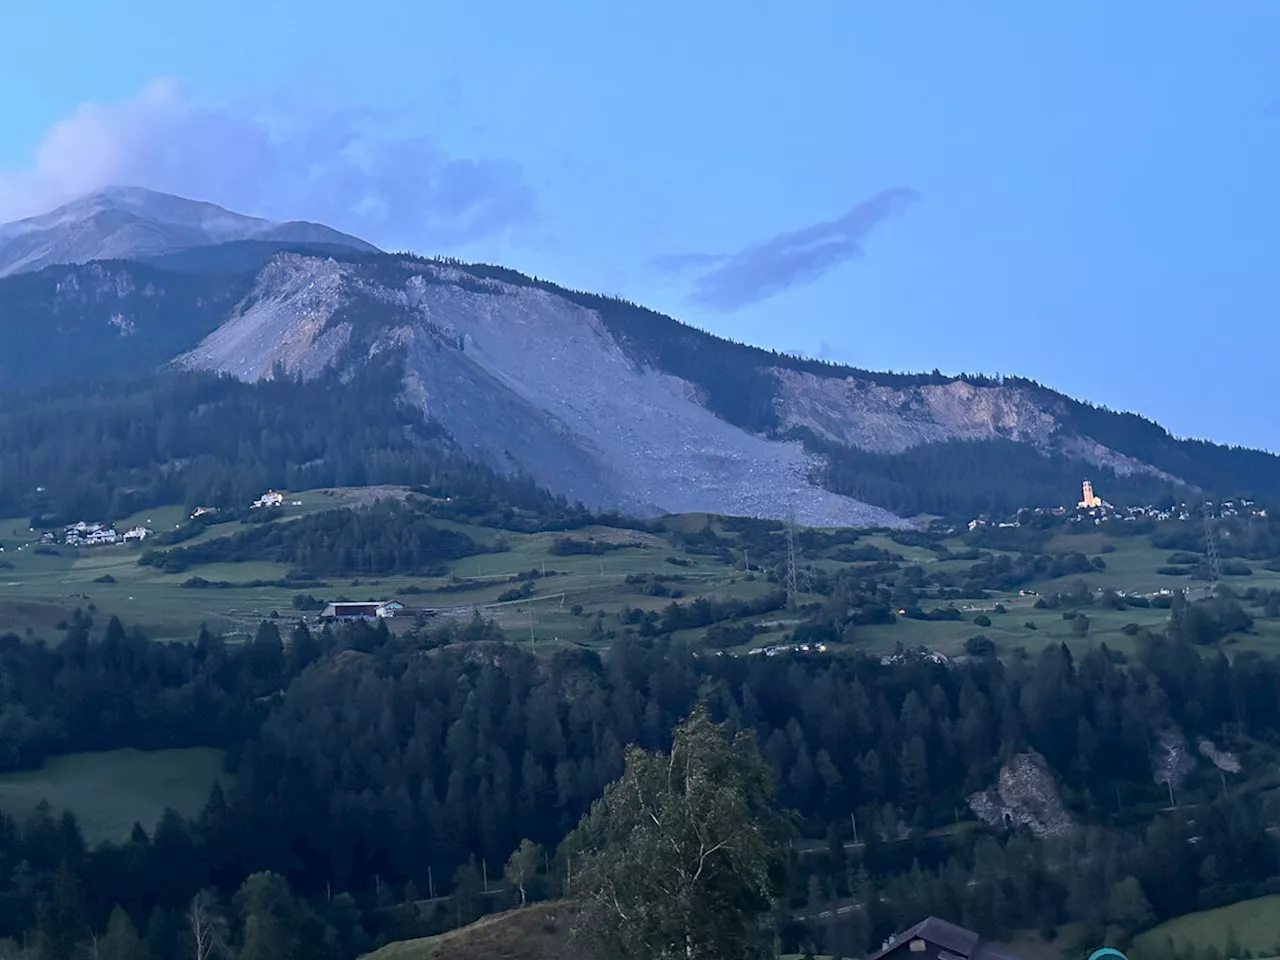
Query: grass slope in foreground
[
  {"x": 536, "y": 932},
  {"x": 111, "y": 791},
  {"x": 1255, "y": 923}
]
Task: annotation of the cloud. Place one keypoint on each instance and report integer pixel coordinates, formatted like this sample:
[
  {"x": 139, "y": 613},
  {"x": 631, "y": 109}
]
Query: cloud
[
  {"x": 334, "y": 166},
  {"x": 759, "y": 271}
]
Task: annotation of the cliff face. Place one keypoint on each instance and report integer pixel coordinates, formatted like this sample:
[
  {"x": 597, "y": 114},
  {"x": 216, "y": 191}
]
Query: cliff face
[{"x": 879, "y": 418}]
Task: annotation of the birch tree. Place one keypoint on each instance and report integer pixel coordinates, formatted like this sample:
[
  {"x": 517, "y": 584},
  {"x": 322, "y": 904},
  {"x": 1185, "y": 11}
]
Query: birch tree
[
  {"x": 683, "y": 856},
  {"x": 209, "y": 930}
]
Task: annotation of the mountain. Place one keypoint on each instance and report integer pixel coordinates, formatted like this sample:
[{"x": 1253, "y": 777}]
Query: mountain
[
  {"x": 596, "y": 399},
  {"x": 123, "y": 223}
]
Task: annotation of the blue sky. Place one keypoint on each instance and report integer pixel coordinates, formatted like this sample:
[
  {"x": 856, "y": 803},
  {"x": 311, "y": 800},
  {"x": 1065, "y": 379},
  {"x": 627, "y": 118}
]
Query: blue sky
[{"x": 1082, "y": 193}]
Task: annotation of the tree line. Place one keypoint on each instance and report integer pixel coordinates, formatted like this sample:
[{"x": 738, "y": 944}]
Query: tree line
[{"x": 371, "y": 764}]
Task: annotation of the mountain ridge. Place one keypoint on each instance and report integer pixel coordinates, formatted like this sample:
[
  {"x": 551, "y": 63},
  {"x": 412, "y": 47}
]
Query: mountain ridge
[
  {"x": 598, "y": 399},
  {"x": 124, "y": 222}
]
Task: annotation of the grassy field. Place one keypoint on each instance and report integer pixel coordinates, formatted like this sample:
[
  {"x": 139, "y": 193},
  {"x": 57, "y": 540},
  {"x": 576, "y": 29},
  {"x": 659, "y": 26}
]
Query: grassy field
[
  {"x": 1256, "y": 924},
  {"x": 536, "y": 932},
  {"x": 112, "y": 790},
  {"x": 39, "y": 589}
]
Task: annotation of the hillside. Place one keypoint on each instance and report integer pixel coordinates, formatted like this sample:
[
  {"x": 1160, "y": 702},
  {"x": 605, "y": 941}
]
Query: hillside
[
  {"x": 595, "y": 399},
  {"x": 538, "y": 932}
]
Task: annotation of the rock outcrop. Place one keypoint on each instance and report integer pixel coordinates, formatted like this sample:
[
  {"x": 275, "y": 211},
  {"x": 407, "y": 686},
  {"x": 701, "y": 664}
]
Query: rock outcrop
[{"x": 1024, "y": 795}]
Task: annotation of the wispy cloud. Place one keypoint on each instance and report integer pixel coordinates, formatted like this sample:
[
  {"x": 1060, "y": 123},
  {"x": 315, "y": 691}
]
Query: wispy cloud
[
  {"x": 761, "y": 270},
  {"x": 339, "y": 167}
]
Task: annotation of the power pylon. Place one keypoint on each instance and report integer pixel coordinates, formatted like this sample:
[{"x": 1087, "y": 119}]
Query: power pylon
[
  {"x": 792, "y": 579},
  {"x": 1211, "y": 546},
  {"x": 797, "y": 579}
]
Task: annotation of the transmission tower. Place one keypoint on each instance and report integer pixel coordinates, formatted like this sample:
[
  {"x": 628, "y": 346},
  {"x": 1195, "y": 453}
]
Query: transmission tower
[
  {"x": 792, "y": 579},
  {"x": 1211, "y": 546},
  {"x": 797, "y": 579}
]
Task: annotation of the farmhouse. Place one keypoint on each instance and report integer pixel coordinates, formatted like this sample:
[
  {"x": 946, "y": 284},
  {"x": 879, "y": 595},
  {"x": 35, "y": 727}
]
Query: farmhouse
[
  {"x": 268, "y": 499},
  {"x": 371, "y": 610},
  {"x": 934, "y": 939}
]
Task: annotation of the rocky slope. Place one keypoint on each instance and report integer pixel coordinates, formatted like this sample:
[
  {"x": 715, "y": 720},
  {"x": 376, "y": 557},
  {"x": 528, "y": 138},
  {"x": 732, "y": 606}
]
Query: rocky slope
[
  {"x": 119, "y": 223},
  {"x": 522, "y": 378}
]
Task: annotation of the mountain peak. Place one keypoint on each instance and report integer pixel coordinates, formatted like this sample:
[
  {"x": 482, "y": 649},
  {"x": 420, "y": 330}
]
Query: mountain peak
[{"x": 126, "y": 222}]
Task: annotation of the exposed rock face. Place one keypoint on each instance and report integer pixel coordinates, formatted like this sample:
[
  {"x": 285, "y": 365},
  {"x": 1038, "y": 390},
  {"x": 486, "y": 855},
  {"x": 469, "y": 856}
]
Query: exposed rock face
[
  {"x": 1222, "y": 759},
  {"x": 525, "y": 379},
  {"x": 1171, "y": 760},
  {"x": 893, "y": 419},
  {"x": 1024, "y": 795},
  {"x": 887, "y": 419}
]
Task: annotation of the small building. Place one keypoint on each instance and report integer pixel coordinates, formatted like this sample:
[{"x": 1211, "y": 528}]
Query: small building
[
  {"x": 934, "y": 939},
  {"x": 268, "y": 499},
  {"x": 369, "y": 610},
  {"x": 136, "y": 535}
]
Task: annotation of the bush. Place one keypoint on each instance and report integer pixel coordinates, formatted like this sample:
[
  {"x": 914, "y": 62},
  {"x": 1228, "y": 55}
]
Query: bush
[
  {"x": 1099, "y": 563},
  {"x": 982, "y": 620},
  {"x": 1130, "y": 629},
  {"x": 980, "y": 646},
  {"x": 305, "y": 601},
  {"x": 105, "y": 578},
  {"x": 1030, "y": 625}
]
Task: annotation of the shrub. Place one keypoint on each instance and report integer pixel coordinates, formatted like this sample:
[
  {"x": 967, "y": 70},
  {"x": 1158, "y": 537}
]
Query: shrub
[
  {"x": 980, "y": 646},
  {"x": 982, "y": 620}
]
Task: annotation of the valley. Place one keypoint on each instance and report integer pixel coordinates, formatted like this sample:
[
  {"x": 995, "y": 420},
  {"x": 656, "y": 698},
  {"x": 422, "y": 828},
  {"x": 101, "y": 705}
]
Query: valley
[{"x": 588, "y": 584}]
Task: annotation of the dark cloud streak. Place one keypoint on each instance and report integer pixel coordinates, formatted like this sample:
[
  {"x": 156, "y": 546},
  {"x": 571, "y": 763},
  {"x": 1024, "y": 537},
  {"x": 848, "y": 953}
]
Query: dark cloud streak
[{"x": 762, "y": 270}]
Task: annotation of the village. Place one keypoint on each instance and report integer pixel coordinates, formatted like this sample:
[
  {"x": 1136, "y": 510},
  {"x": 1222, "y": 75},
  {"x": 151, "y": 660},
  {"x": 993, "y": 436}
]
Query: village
[
  {"x": 97, "y": 534},
  {"x": 1092, "y": 508}
]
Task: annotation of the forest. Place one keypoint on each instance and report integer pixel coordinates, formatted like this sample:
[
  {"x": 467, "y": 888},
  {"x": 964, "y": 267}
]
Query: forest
[
  {"x": 385, "y": 538},
  {"x": 106, "y": 450},
  {"x": 383, "y": 781}
]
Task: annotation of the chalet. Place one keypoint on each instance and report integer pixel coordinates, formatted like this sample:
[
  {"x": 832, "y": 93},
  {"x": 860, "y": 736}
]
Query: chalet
[
  {"x": 371, "y": 610},
  {"x": 268, "y": 499},
  {"x": 136, "y": 535},
  {"x": 934, "y": 939}
]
